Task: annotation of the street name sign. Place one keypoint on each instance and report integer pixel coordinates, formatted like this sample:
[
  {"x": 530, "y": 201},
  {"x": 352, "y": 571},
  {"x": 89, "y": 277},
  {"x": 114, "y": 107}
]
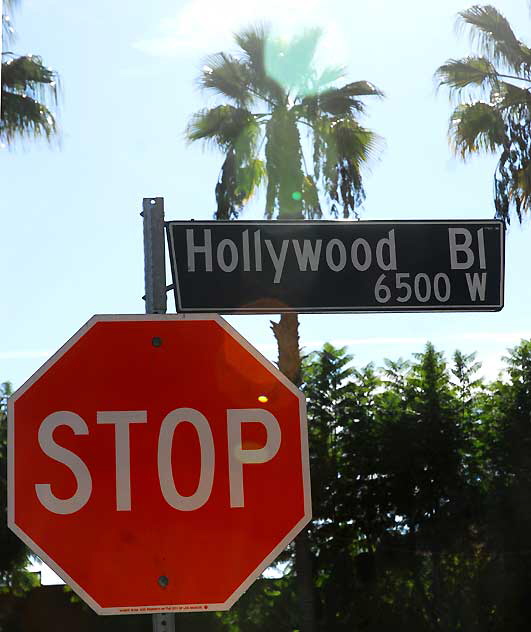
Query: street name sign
[
  {"x": 158, "y": 463},
  {"x": 314, "y": 266}
]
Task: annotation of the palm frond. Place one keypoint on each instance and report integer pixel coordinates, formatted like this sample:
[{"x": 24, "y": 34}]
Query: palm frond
[
  {"x": 299, "y": 53},
  {"x": 362, "y": 89},
  {"x": 346, "y": 189},
  {"x": 228, "y": 204},
  {"x": 27, "y": 91},
  {"x": 338, "y": 101},
  {"x": 221, "y": 125},
  {"x": 320, "y": 136},
  {"x": 476, "y": 127},
  {"x": 237, "y": 132},
  {"x": 251, "y": 175},
  {"x": 521, "y": 192},
  {"x": 458, "y": 74},
  {"x": 328, "y": 76},
  {"x": 255, "y": 45},
  {"x": 507, "y": 96},
  {"x": 512, "y": 180},
  {"x": 290, "y": 63},
  {"x": 332, "y": 102},
  {"x": 27, "y": 87},
  {"x": 227, "y": 76},
  {"x": 310, "y": 198},
  {"x": 237, "y": 182},
  {"x": 252, "y": 42},
  {"x": 495, "y": 37},
  {"x": 28, "y": 75},
  {"x": 502, "y": 123},
  {"x": 354, "y": 142},
  {"x": 345, "y": 147},
  {"x": 24, "y": 117}
]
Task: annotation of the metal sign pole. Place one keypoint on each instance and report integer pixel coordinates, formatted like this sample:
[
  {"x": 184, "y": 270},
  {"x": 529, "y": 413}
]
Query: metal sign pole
[
  {"x": 154, "y": 255},
  {"x": 164, "y": 622},
  {"x": 155, "y": 297}
]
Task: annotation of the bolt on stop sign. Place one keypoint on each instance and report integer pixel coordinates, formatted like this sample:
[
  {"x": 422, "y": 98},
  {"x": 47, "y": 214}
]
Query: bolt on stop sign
[{"x": 158, "y": 463}]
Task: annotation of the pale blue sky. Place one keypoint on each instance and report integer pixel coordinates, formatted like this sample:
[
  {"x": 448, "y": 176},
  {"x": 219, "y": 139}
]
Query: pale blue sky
[{"x": 69, "y": 218}]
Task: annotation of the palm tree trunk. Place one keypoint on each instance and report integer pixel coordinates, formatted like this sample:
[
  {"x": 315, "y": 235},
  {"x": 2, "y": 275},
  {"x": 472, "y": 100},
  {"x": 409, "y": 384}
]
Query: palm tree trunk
[{"x": 286, "y": 332}]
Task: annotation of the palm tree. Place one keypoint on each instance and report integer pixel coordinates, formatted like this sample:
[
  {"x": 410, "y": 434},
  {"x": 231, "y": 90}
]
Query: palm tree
[
  {"x": 274, "y": 92},
  {"x": 494, "y": 112},
  {"x": 28, "y": 87}
]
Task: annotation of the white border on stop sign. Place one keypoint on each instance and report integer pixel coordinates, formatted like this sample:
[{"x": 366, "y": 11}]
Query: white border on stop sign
[{"x": 149, "y": 609}]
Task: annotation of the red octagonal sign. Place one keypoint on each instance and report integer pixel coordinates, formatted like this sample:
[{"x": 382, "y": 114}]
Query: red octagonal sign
[{"x": 158, "y": 463}]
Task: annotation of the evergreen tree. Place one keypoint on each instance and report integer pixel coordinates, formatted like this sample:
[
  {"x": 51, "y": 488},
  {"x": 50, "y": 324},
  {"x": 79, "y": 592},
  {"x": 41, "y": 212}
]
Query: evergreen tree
[
  {"x": 424, "y": 444},
  {"x": 508, "y": 415},
  {"x": 420, "y": 482},
  {"x": 430, "y": 473},
  {"x": 325, "y": 375}
]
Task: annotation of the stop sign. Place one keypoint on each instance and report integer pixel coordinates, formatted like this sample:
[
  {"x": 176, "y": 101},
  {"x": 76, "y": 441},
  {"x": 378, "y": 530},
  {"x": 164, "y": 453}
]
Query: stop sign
[{"x": 158, "y": 463}]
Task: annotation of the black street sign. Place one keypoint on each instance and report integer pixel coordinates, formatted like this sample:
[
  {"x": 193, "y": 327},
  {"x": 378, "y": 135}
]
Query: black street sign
[{"x": 312, "y": 266}]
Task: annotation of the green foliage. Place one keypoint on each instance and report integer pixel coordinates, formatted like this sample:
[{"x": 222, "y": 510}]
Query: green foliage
[
  {"x": 467, "y": 385},
  {"x": 421, "y": 479},
  {"x": 459, "y": 74},
  {"x": 327, "y": 401},
  {"x": 274, "y": 92},
  {"x": 283, "y": 153},
  {"x": 269, "y": 604},
  {"x": 237, "y": 132},
  {"x": 498, "y": 117},
  {"x": 29, "y": 89},
  {"x": 421, "y": 476},
  {"x": 476, "y": 127},
  {"x": 14, "y": 555},
  {"x": 491, "y": 31}
]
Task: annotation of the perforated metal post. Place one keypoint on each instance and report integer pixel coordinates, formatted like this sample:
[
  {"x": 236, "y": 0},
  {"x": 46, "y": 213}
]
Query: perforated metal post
[
  {"x": 155, "y": 296},
  {"x": 164, "y": 622},
  {"x": 154, "y": 255}
]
